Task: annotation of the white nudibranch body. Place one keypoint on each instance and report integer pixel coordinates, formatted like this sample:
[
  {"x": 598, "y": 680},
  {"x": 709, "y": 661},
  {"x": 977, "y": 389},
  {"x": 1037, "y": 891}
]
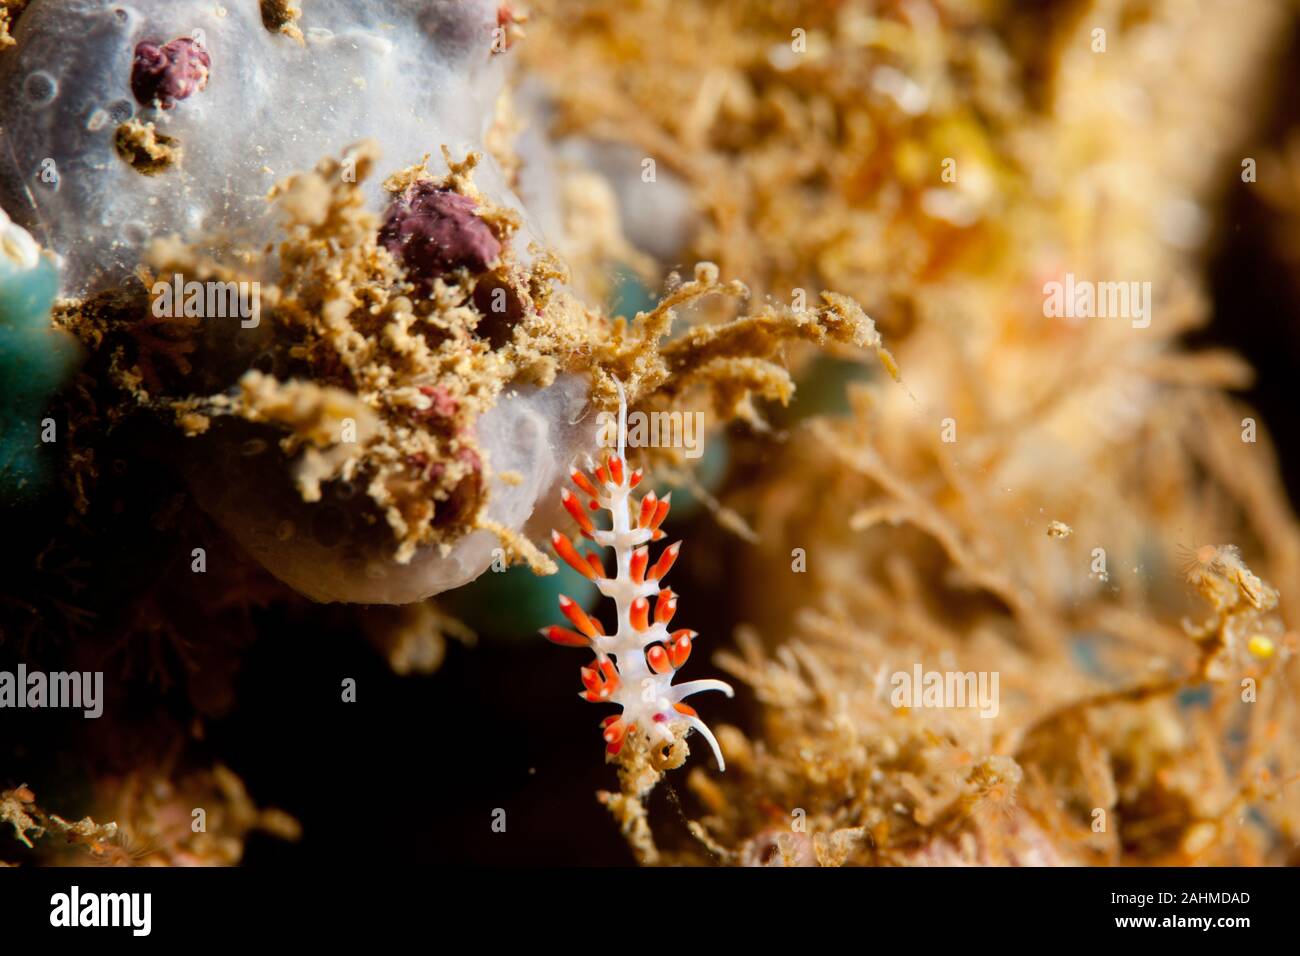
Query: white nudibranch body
[{"x": 635, "y": 665}]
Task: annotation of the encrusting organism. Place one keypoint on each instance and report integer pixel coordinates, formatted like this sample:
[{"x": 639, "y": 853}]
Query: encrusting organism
[{"x": 634, "y": 666}]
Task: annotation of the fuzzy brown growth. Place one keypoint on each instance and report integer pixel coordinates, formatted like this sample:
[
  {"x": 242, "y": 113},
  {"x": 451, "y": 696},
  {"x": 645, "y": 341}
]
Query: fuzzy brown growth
[
  {"x": 369, "y": 372},
  {"x": 19, "y": 809},
  {"x": 406, "y": 331},
  {"x": 144, "y": 149},
  {"x": 10, "y": 10},
  {"x": 281, "y": 16}
]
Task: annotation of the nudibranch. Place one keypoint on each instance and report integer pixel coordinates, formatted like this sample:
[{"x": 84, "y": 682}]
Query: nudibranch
[{"x": 635, "y": 665}]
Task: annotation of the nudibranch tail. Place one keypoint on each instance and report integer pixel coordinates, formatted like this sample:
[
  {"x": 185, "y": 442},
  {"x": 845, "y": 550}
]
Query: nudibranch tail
[{"x": 635, "y": 664}]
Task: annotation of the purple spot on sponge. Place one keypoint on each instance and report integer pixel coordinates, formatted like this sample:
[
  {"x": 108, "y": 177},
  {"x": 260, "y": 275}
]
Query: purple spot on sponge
[
  {"x": 432, "y": 230},
  {"x": 169, "y": 72}
]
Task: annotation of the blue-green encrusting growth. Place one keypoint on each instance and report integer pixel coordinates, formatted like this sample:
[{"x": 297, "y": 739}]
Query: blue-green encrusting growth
[{"x": 35, "y": 360}]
